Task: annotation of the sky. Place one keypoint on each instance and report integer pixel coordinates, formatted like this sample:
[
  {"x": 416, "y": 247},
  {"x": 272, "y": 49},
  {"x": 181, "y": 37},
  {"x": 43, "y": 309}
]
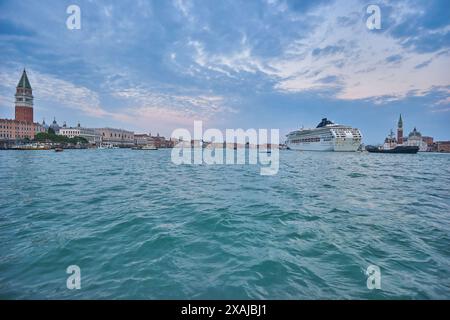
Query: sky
[{"x": 154, "y": 66}]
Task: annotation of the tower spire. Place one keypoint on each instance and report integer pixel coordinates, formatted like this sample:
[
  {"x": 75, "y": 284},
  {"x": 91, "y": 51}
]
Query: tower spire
[
  {"x": 400, "y": 122},
  {"x": 24, "y": 82}
]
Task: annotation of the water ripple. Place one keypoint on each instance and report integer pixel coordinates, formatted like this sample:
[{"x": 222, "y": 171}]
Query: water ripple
[{"x": 141, "y": 227}]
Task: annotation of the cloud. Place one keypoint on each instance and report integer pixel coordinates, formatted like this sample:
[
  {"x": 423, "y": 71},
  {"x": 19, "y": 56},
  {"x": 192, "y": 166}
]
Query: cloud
[
  {"x": 395, "y": 58},
  {"x": 338, "y": 54},
  {"x": 180, "y": 108},
  {"x": 187, "y": 59},
  {"x": 241, "y": 60},
  {"x": 368, "y": 61},
  {"x": 328, "y": 50},
  {"x": 423, "y": 64},
  {"x": 328, "y": 79},
  {"x": 423, "y": 27}
]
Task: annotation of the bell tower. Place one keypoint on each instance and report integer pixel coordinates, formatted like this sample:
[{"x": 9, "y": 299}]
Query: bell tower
[
  {"x": 400, "y": 130},
  {"x": 24, "y": 99}
]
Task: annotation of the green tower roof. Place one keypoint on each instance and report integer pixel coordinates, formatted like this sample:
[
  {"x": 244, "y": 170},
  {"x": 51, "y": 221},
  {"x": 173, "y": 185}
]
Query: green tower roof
[
  {"x": 400, "y": 122},
  {"x": 24, "y": 83}
]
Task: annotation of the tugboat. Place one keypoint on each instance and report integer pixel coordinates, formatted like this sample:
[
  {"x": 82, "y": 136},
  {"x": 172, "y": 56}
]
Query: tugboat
[{"x": 390, "y": 146}]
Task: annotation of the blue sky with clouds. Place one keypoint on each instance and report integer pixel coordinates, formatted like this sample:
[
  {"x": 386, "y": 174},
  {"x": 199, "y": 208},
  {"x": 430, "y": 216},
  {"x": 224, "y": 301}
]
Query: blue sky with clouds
[{"x": 159, "y": 65}]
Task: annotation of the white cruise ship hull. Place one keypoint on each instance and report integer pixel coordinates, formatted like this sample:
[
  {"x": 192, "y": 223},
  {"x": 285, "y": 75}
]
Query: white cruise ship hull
[{"x": 347, "y": 146}]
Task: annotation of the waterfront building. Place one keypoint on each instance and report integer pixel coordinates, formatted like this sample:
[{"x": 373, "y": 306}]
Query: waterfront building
[
  {"x": 171, "y": 142},
  {"x": 22, "y": 127},
  {"x": 428, "y": 140},
  {"x": 18, "y": 130},
  {"x": 143, "y": 139},
  {"x": 415, "y": 139},
  {"x": 39, "y": 128},
  {"x": 89, "y": 134},
  {"x": 441, "y": 146},
  {"x": 160, "y": 141},
  {"x": 157, "y": 141},
  {"x": 116, "y": 137}
]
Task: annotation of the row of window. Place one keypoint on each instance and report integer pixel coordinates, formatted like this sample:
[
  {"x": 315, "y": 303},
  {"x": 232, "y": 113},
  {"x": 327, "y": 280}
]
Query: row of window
[
  {"x": 306, "y": 140},
  {"x": 70, "y": 132},
  {"x": 17, "y": 128},
  {"x": 124, "y": 136},
  {"x": 7, "y": 135},
  {"x": 23, "y": 91}
]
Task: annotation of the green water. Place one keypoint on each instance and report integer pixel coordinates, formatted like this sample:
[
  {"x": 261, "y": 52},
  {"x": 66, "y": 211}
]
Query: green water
[{"x": 141, "y": 227}]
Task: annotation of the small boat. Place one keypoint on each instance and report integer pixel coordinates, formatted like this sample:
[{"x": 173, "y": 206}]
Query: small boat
[
  {"x": 33, "y": 146},
  {"x": 149, "y": 147},
  {"x": 107, "y": 146},
  {"x": 59, "y": 149},
  {"x": 145, "y": 147}
]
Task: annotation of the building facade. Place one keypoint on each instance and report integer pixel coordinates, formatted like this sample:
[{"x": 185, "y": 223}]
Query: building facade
[
  {"x": 156, "y": 141},
  {"x": 142, "y": 139},
  {"x": 23, "y": 126},
  {"x": 415, "y": 139},
  {"x": 441, "y": 146},
  {"x": 429, "y": 141},
  {"x": 162, "y": 142},
  {"x": 18, "y": 130},
  {"x": 116, "y": 137},
  {"x": 89, "y": 134}
]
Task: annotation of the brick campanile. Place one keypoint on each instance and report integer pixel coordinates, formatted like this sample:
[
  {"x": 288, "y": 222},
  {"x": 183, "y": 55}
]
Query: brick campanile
[
  {"x": 400, "y": 131},
  {"x": 24, "y": 99}
]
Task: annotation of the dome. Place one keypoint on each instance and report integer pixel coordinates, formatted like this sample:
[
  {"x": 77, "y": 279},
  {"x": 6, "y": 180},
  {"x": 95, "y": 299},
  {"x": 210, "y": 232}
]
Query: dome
[
  {"x": 55, "y": 126},
  {"x": 415, "y": 133}
]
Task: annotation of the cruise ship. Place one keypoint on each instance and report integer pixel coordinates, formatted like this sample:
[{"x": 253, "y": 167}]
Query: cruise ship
[{"x": 327, "y": 136}]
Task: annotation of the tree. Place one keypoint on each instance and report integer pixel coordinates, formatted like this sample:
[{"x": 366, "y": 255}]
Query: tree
[
  {"x": 41, "y": 136},
  {"x": 51, "y": 131}
]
